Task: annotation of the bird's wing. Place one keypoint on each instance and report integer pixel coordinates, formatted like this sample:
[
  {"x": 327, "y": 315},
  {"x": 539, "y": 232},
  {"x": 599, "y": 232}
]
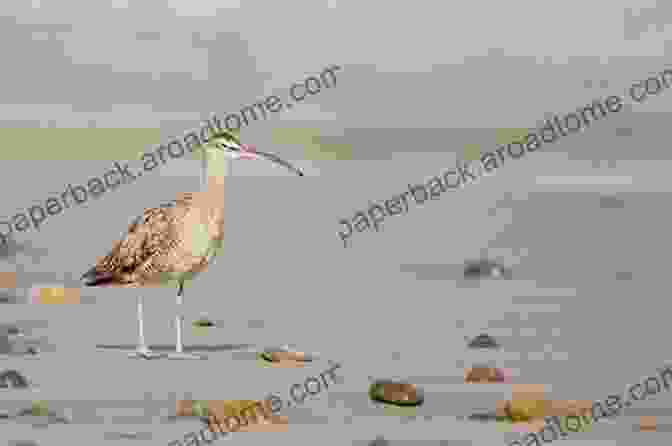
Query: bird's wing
[{"x": 148, "y": 237}]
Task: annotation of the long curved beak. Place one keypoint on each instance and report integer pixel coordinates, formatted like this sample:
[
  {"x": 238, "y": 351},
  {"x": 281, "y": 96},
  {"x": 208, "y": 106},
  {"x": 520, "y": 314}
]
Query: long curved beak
[{"x": 250, "y": 152}]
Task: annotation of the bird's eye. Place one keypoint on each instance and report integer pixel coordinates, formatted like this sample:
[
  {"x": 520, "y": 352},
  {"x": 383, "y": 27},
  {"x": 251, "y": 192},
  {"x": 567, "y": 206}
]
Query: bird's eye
[{"x": 225, "y": 147}]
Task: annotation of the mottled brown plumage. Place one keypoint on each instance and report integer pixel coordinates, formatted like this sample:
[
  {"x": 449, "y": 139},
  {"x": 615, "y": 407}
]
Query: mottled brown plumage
[{"x": 159, "y": 243}]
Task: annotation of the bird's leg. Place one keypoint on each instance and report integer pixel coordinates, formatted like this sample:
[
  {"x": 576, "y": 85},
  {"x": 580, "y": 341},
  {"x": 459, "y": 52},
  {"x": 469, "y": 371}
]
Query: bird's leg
[
  {"x": 141, "y": 331},
  {"x": 142, "y": 351},
  {"x": 179, "y": 353},
  {"x": 179, "y": 320}
]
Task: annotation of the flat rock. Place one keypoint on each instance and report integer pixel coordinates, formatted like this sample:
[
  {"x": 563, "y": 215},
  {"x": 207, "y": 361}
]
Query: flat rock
[
  {"x": 396, "y": 393},
  {"x": 286, "y": 356},
  {"x": 526, "y": 410},
  {"x": 185, "y": 408},
  {"x": 484, "y": 375},
  {"x": 647, "y": 423}
]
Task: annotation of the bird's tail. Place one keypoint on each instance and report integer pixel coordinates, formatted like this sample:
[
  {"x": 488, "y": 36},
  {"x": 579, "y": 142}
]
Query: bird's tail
[{"x": 93, "y": 277}]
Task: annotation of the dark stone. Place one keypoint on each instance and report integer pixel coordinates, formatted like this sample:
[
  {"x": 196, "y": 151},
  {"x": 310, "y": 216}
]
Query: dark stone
[
  {"x": 14, "y": 379},
  {"x": 203, "y": 323},
  {"x": 483, "y": 341},
  {"x": 5, "y": 345},
  {"x": 485, "y": 269},
  {"x": 9, "y": 330}
]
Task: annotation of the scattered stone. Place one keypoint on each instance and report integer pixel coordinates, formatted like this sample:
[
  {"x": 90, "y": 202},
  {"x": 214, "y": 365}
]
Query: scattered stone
[
  {"x": 14, "y": 342},
  {"x": 44, "y": 416},
  {"x": 483, "y": 341},
  {"x": 12, "y": 378},
  {"x": 286, "y": 355},
  {"x": 525, "y": 411},
  {"x": 184, "y": 408},
  {"x": 396, "y": 393},
  {"x": 39, "y": 408},
  {"x": 484, "y": 375},
  {"x": 203, "y": 322},
  {"x": 485, "y": 269},
  {"x": 8, "y": 298},
  {"x": 647, "y": 424},
  {"x": 199, "y": 409},
  {"x": 10, "y": 330}
]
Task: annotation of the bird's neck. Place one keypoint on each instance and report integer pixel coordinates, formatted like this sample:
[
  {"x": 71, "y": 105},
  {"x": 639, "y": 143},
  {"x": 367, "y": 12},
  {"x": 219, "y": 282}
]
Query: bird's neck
[{"x": 214, "y": 168}]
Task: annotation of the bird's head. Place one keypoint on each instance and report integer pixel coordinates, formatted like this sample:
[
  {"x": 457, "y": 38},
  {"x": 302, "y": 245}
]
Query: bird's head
[{"x": 228, "y": 144}]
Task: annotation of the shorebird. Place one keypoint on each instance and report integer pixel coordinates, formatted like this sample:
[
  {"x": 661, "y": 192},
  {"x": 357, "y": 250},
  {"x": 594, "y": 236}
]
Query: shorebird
[{"x": 177, "y": 241}]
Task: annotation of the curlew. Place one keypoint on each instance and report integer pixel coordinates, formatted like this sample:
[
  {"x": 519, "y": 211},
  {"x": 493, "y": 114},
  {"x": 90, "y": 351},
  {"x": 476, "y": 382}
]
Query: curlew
[{"x": 177, "y": 241}]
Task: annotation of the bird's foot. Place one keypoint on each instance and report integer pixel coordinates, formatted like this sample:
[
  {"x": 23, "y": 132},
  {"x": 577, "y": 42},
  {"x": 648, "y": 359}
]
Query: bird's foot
[
  {"x": 143, "y": 353},
  {"x": 183, "y": 355}
]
